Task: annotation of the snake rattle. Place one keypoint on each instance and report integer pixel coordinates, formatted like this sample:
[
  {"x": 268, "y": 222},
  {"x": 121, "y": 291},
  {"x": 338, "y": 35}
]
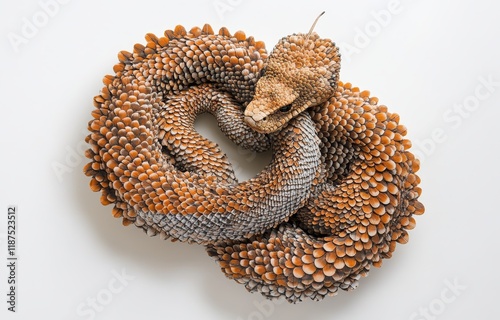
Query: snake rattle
[{"x": 339, "y": 193}]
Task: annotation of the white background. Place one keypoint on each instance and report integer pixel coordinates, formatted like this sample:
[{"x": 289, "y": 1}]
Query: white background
[{"x": 425, "y": 60}]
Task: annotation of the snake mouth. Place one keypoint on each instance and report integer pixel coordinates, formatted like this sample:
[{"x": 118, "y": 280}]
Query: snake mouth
[
  {"x": 257, "y": 126},
  {"x": 251, "y": 122},
  {"x": 268, "y": 124}
]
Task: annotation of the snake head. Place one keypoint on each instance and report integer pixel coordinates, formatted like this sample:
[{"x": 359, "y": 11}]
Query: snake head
[{"x": 301, "y": 71}]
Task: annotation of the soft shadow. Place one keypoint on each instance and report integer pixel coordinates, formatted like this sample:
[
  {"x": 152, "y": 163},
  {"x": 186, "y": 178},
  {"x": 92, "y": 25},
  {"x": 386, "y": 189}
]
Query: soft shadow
[
  {"x": 162, "y": 259},
  {"x": 233, "y": 301},
  {"x": 131, "y": 243},
  {"x": 126, "y": 243}
]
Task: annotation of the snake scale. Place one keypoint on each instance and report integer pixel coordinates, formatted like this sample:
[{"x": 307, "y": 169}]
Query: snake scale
[{"x": 339, "y": 193}]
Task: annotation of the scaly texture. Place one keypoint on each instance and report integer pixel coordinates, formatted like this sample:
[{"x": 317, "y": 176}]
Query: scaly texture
[
  {"x": 358, "y": 212},
  {"x": 337, "y": 196},
  {"x": 149, "y": 183}
]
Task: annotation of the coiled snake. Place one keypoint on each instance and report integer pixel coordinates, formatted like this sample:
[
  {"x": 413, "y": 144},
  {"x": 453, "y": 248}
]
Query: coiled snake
[{"x": 337, "y": 196}]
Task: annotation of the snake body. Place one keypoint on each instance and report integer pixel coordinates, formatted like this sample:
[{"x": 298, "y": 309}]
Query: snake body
[{"x": 338, "y": 195}]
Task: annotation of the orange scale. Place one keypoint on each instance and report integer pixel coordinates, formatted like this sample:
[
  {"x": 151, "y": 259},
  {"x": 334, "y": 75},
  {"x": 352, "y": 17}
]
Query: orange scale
[
  {"x": 350, "y": 252},
  {"x": 329, "y": 270},
  {"x": 309, "y": 268},
  {"x": 158, "y": 207},
  {"x": 419, "y": 208},
  {"x": 338, "y": 264},
  {"x": 352, "y": 202},
  {"x": 366, "y": 209},
  {"x": 361, "y": 228},
  {"x": 373, "y": 191},
  {"x": 390, "y": 150},
  {"x": 358, "y": 246},
  {"x": 298, "y": 272},
  {"x": 374, "y": 203},
  {"x": 281, "y": 282},
  {"x": 134, "y": 174},
  {"x": 384, "y": 198},
  {"x": 367, "y": 243},
  {"x": 385, "y": 218},
  {"x": 364, "y": 195},
  {"x": 404, "y": 238},
  {"x": 370, "y": 171},
  {"x": 269, "y": 276},
  {"x": 350, "y": 262},
  {"x": 381, "y": 167},
  {"x": 390, "y": 165},
  {"x": 297, "y": 261},
  {"x": 388, "y": 177},
  {"x": 137, "y": 198},
  {"x": 339, "y": 251},
  {"x": 307, "y": 259},
  {"x": 411, "y": 223},
  {"x": 381, "y": 116},
  {"x": 372, "y": 230},
  {"x": 392, "y": 188},
  {"x": 415, "y": 166},
  {"x": 319, "y": 276},
  {"x": 406, "y": 144}
]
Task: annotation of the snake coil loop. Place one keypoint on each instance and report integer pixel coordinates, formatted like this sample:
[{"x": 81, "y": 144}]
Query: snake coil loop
[{"x": 339, "y": 193}]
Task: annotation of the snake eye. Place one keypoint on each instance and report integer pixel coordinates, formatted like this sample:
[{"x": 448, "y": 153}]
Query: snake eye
[{"x": 286, "y": 108}]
